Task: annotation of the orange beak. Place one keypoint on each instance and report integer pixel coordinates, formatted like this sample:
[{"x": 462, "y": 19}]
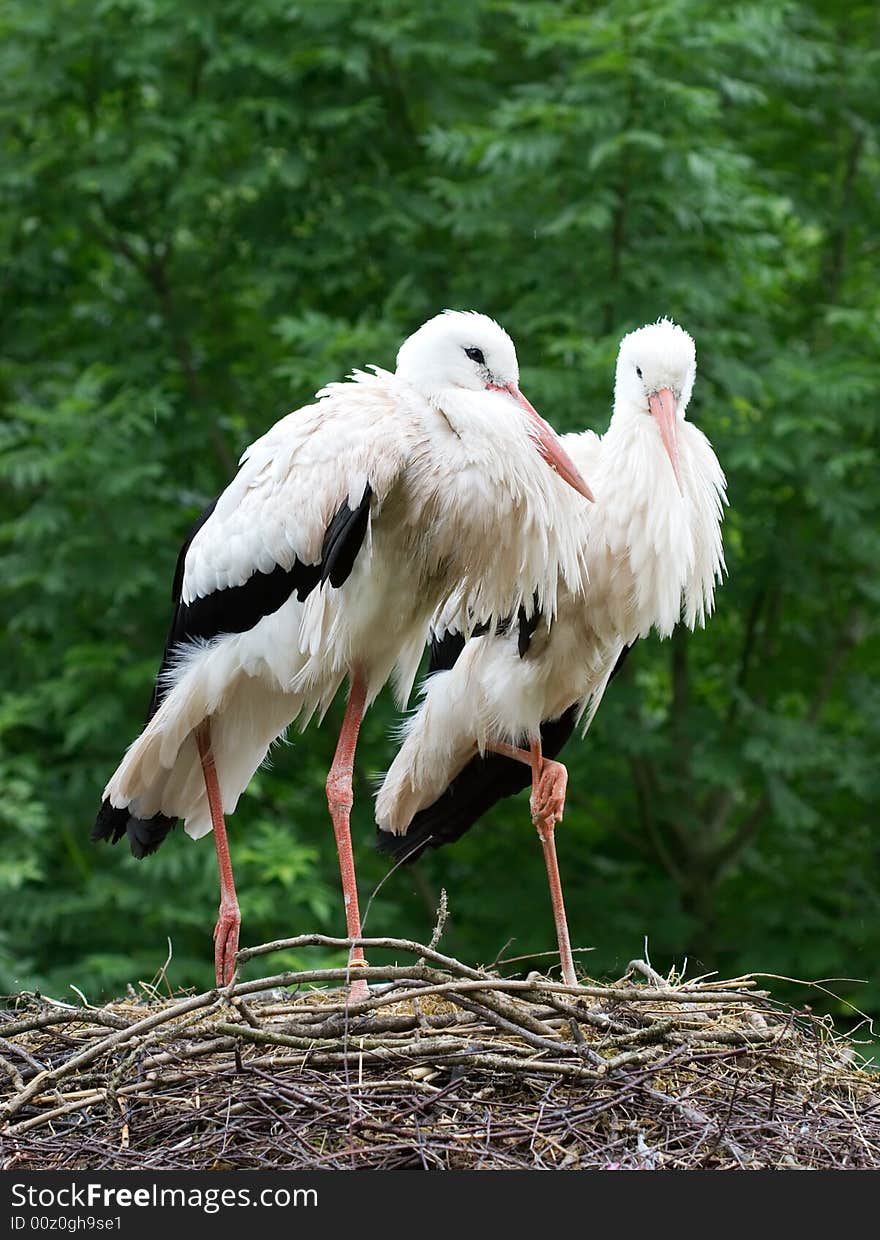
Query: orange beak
[
  {"x": 663, "y": 409},
  {"x": 548, "y": 442}
]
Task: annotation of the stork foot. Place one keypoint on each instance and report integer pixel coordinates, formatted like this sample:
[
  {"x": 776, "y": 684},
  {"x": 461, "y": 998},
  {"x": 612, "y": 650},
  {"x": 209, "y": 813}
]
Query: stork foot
[
  {"x": 226, "y": 941},
  {"x": 358, "y": 991},
  {"x": 548, "y": 796}
]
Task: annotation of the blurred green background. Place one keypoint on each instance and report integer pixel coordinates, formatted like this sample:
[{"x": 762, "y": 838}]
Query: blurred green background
[{"x": 209, "y": 209}]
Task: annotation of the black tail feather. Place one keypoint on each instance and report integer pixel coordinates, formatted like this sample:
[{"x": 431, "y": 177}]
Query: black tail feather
[{"x": 144, "y": 834}]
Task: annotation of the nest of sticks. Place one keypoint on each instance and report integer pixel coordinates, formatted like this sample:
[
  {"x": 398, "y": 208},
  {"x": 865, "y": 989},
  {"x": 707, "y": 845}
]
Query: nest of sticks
[{"x": 444, "y": 1066}]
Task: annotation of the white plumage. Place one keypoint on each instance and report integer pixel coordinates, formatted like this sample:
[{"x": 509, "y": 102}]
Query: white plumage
[
  {"x": 653, "y": 545},
  {"x": 447, "y": 472}
]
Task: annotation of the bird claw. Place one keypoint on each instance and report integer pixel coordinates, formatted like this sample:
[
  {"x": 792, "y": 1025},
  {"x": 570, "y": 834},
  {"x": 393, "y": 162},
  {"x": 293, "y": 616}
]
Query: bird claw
[
  {"x": 226, "y": 943},
  {"x": 548, "y": 796}
]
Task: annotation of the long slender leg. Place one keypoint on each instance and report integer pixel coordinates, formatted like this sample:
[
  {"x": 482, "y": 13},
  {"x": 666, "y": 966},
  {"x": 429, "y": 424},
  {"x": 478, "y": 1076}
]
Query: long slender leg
[
  {"x": 229, "y": 916},
  {"x": 549, "y": 782},
  {"x": 340, "y": 798}
]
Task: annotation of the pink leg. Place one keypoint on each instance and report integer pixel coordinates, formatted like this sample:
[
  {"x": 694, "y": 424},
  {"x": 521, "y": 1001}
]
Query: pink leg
[
  {"x": 229, "y": 917},
  {"x": 549, "y": 782},
  {"x": 340, "y": 799}
]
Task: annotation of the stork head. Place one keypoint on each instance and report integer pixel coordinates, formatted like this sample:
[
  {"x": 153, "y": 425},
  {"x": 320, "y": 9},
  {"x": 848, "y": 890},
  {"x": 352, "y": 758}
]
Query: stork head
[
  {"x": 656, "y": 367},
  {"x": 463, "y": 350}
]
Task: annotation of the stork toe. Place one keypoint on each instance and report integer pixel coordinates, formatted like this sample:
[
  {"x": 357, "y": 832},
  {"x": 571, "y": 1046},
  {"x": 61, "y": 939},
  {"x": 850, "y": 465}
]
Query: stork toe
[
  {"x": 548, "y": 798},
  {"x": 226, "y": 943}
]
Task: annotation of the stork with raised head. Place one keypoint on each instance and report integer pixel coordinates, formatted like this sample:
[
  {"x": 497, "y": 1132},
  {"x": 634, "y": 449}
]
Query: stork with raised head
[
  {"x": 499, "y": 707},
  {"x": 348, "y": 524}
]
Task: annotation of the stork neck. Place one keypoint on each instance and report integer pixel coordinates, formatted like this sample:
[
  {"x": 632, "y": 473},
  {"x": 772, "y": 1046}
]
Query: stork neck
[{"x": 633, "y": 449}]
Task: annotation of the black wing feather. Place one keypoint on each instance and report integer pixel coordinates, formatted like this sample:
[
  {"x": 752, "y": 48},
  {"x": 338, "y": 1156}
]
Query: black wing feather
[
  {"x": 180, "y": 566},
  {"x": 237, "y": 609},
  {"x": 445, "y": 651},
  {"x": 446, "y": 648},
  {"x": 234, "y": 610},
  {"x": 527, "y": 623},
  {"x": 344, "y": 538}
]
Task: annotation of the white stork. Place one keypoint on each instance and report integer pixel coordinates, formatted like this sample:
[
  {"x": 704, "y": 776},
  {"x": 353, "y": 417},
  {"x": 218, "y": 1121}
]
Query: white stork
[
  {"x": 515, "y": 693},
  {"x": 348, "y": 524}
]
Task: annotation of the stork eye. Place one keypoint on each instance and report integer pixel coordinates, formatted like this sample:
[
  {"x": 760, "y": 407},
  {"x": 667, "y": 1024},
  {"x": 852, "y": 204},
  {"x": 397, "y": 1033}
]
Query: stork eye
[
  {"x": 476, "y": 355},
  {"x": 639, "y": 371}
]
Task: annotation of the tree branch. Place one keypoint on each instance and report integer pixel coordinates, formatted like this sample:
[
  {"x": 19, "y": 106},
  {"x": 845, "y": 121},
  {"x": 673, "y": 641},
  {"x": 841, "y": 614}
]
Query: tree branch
[
  {"x": 743, "y": 835},
  {"x": 680, "y": 701},
  {"x": 748, "y": 648},
  {"x": 642, "y": 785},
  {"x": 621, "y": 207},
  {"x": 850, "y": 634},
  {"x": 835, "y": 264}
]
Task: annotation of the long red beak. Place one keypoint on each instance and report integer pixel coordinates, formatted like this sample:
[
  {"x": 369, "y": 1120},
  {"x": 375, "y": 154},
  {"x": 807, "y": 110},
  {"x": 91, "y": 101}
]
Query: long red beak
[
  {"x": 663, "y": 408},
  {"x": 548, "y": 442}
]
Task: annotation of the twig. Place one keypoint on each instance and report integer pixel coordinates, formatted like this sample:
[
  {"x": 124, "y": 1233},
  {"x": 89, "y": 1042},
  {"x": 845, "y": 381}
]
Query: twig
[
  {"x": 91, "y": 1053},
  {"x": 640, "y": 966},
  {"x": 324, "y": 940},
  {"x": 12, "y": 1072},
  {"x": 67, "y": 1016},
  {"x": 13, "y": 1049}
]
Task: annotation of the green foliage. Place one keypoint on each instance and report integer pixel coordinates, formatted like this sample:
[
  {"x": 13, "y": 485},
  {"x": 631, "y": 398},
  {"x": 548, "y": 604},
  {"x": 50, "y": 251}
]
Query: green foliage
[{"x": 209, "y": 210}]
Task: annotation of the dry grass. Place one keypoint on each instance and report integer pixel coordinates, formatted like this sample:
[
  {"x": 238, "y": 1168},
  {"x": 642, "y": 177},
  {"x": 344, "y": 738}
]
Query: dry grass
[{"x": 445, "y": 1066}]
